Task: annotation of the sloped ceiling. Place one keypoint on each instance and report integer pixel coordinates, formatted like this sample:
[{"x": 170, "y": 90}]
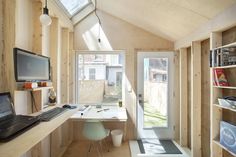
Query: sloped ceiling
[{"x": 171, "y": 19}]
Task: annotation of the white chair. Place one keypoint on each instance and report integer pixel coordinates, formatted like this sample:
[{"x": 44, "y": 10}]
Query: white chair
[{"x": 94, "y": 131}]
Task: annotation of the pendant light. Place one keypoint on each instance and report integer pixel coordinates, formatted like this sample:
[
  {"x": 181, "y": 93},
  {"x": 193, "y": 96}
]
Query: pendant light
[{"x": 45, "y": 19}]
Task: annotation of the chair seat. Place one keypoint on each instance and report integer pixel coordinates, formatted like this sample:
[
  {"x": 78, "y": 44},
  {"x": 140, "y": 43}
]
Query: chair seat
[{"x": 95, "y": 131}]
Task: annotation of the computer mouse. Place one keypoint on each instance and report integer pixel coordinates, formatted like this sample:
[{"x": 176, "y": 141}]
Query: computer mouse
[
  {"x": 69, "y": 106},
  {"x": 66, "y": 106}
]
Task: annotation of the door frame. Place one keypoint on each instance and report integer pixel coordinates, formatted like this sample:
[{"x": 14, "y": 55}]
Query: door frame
[{"x": 166, "y": 132}]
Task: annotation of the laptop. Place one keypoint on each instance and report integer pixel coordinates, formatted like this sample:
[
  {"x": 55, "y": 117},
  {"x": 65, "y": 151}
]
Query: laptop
[{"x": 12, "y": 125}]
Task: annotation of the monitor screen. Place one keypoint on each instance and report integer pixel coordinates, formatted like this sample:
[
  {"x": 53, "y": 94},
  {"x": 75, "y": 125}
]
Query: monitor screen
[
  {"x": 31, "y": 67},
  {"x": 5, "y": 105}
]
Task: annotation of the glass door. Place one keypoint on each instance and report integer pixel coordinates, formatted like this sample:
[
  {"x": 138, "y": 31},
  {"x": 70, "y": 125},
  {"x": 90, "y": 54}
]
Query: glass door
[{"x": 154, "y": 99}]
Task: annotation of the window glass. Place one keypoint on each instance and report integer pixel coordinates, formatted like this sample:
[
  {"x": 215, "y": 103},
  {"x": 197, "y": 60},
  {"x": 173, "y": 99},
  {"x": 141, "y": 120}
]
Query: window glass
[
  {"x": 72, "y": 6},
  {"x": 100, "y": 74}
]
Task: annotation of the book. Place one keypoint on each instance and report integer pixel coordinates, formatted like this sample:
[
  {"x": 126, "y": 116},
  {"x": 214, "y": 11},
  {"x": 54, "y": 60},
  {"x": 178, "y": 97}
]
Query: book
[{"x": 220, "y": 78}]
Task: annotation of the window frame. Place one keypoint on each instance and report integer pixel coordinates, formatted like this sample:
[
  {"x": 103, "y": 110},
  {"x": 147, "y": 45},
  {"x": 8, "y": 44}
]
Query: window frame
[
  {"x": 61, "y": 5},
  {"x": 112, "y": 52}
]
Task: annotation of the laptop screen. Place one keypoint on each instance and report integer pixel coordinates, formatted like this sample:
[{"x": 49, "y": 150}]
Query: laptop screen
[{"x": 5, "y": 105}]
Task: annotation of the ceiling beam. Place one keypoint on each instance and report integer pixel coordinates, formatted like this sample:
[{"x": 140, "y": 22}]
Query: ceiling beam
[{"x": 221, "y": 22}]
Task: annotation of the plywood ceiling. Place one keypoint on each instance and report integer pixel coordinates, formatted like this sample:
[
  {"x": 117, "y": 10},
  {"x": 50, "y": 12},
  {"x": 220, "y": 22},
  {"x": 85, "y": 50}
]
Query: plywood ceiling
[{"x": 171, "y": 19}]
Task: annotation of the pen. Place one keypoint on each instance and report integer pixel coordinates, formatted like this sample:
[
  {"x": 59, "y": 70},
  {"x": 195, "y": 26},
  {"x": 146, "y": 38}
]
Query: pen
[{"x": 103, "y": 110}]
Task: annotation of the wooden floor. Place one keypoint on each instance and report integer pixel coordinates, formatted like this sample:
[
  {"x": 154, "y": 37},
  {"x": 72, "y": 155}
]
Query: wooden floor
[{"x": 79, "y": 149}]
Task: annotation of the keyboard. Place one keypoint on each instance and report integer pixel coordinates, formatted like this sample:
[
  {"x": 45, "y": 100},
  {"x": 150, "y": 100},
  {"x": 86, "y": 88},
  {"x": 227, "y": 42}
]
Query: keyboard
[{"x": 48, "y": 115}]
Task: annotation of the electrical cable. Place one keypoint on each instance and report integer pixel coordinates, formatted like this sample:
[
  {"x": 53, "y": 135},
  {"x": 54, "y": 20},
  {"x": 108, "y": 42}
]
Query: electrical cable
[
  {"x": 33, "y": 101},
  {"x": 99, "y": 21}
]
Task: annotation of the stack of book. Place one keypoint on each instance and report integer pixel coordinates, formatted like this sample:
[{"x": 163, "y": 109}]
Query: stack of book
[
  {"x": 219, "y": 77},
  {"x": 223, "y": 57}
]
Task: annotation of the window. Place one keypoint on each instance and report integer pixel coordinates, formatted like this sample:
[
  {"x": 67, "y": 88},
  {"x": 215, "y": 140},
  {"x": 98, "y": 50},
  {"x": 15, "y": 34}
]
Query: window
[
  {"x": 92, "y": 74},
  {"x": 73, "y": 6},
  {"x": 99, "y": 78}
]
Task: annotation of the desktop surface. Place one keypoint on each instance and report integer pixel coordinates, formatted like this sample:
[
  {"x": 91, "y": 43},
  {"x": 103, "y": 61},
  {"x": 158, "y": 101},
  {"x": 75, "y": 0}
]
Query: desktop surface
[{"x": 106, "y": 113}]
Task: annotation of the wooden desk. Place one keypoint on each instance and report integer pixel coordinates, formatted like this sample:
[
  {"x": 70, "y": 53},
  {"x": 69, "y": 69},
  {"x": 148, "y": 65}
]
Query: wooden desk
[
  {"x": 30, "y": 138},
  {"x": 114, "y": 113}
]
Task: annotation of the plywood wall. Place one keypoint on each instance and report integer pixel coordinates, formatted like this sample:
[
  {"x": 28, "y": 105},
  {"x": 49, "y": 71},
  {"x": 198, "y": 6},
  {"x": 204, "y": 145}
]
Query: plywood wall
[
  {"x": 2, "y": 88},
  {"x": 229, "y": 36},
  {"x": 189, "y": 95},
  {"x": 120, "y": 35},
  {"x": 205, "y": 92},
  {"x": 8, "y": 44}
]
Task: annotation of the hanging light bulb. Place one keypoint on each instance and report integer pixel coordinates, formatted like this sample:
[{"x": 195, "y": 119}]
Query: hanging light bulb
[{"x": 45, "y": 19}]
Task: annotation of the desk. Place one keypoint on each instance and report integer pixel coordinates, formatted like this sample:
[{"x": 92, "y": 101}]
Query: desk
[
  {"x": 30, "y": 138},
  {"x": 114, "y": 113}
]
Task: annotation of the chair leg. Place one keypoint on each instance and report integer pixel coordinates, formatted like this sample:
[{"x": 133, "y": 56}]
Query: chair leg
[
  {"x": 100, "y": 144},
  {"x": 90, "y": 145},
  {"x": 106, "y": 145},
  {"x": 100, "y": 155}
]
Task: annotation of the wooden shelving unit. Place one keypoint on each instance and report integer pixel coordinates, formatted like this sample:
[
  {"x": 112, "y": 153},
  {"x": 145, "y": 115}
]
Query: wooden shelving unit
[
  {"x": 218, "y": 112},
  {"x": 217, "y": 142},
  {"x": 223, "y": 107},
  {"x": 228, "y": 45},
  {"x": 224, "y": 87},
  {"x": 225, "y": 67}
]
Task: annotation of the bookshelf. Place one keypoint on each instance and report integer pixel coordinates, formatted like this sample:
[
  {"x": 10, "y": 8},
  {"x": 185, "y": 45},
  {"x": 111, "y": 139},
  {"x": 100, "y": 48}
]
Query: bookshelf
[
  {"x": 218, "y": 112},
  {"x": 217, "y": 142}
]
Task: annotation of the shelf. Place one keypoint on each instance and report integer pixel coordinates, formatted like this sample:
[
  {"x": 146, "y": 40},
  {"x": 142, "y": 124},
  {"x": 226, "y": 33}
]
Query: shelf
[
  {"x": 227, "y": 108},
  {"x": 37, "y": 89},
  {"x": 225, "y": 46},
  {"x": 224, "y": 67},
  {"x": 223, "y": 147},
  {"x": 225, "y": 87}
]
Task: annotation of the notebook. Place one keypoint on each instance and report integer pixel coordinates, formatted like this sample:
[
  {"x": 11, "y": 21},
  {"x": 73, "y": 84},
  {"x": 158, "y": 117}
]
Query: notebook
[{"x": 12, "y": 125}]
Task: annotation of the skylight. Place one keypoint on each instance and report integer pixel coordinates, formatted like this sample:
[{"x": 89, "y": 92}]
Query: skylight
[{"x": 73, "y": 6}]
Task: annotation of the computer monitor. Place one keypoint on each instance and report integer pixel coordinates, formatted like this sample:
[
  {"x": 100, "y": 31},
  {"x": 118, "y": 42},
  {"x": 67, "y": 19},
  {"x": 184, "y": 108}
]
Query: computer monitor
[{"x": 6, "y": 108}]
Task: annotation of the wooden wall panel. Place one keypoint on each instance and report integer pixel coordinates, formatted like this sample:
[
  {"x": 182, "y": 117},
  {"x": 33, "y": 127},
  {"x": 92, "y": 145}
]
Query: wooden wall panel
[
  {"x": 189, "y": 95},
  {"x": 2, "y": 84},
  {"x": 205, "y": 94},
  {"x": 183, "y": 98},
  {"x": 8, "y": 43},
  {"x": 65, "y": 66},
  {"x": 196, "y": 99},
  {"x": 229, "y": 36},
  {"x": 54, "y": 49},
  {"x": 37, "y": 27},
  {"x": 71, "y": 68},
  {"x": 176, "y": 98}
]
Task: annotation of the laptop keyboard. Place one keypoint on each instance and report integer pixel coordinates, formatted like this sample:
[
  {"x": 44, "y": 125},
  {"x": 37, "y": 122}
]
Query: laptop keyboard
[{"x": 15, "y": 121}]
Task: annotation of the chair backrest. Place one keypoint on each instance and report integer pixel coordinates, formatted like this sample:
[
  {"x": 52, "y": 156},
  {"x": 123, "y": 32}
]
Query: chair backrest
[{"x": 94, "y": 130}]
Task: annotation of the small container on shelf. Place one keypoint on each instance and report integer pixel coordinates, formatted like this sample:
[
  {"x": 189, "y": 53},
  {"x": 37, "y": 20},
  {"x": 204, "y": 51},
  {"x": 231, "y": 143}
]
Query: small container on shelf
[
  {"x": 228, "y": 136},
  {"x": 227, "y": 103}
]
